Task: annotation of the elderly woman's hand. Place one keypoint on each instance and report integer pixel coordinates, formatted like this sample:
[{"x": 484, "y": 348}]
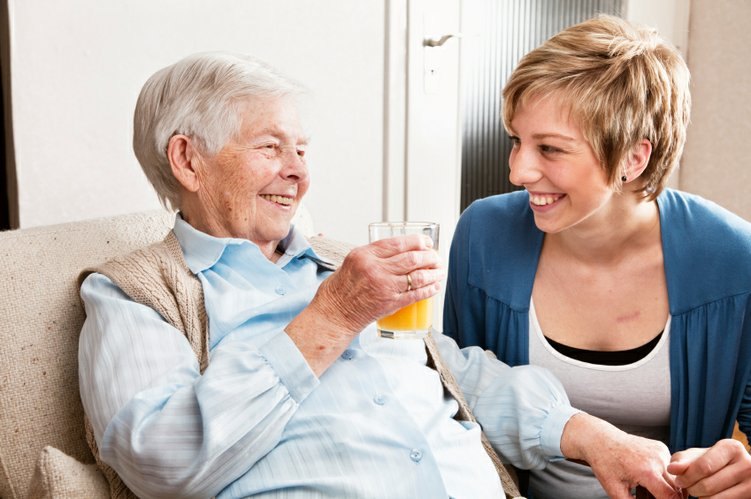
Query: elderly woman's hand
[
  {"x": 620, "y": 461},
  {"x": 723, "y": 470},
  {"x": 371, "y": 283}
]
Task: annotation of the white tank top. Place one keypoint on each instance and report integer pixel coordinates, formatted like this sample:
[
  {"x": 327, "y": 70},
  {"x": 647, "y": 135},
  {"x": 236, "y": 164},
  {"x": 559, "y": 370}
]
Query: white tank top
[{"x": 634, "y": 397}]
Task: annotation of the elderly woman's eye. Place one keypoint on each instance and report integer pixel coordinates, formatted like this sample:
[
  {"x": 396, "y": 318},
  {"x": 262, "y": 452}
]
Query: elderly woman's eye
[
  {"x": 270, "y": 149},
  {"x": 549, "y": 149}
]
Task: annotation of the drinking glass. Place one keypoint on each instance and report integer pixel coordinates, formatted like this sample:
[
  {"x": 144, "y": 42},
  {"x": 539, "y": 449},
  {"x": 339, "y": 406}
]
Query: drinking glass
[{"x": 415, "y": 320}]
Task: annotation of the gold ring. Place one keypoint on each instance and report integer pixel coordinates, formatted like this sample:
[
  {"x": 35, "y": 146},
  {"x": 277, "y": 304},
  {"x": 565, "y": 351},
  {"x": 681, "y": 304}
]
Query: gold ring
[{"x": 409, "y": 283}]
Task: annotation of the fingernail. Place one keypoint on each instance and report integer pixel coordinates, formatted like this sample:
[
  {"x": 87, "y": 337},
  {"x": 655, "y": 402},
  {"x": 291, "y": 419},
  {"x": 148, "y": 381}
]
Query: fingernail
[{"x": 428, "y": 242}]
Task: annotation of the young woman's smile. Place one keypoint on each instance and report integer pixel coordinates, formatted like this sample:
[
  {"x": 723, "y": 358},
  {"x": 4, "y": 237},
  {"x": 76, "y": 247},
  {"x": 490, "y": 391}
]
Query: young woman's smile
[{"x": 553, "y": 161}]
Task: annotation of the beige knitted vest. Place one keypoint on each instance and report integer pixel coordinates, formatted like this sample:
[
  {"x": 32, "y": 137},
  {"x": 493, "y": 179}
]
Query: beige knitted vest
[{"x": 159, "y": 277}]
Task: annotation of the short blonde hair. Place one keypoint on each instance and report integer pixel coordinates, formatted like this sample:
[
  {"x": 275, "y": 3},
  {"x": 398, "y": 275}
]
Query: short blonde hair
[
  {"x": 201, "y": 96},
  {"x": 621, "y": 83}
]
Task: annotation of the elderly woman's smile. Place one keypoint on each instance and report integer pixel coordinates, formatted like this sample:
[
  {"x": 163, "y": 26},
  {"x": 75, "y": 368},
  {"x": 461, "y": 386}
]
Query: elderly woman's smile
[
  {"x": 283, "y": 200},
  {"x": 251, "y": 188}
]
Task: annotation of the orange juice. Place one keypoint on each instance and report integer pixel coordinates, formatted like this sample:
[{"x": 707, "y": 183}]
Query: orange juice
[{"x": 412, "y": 319}]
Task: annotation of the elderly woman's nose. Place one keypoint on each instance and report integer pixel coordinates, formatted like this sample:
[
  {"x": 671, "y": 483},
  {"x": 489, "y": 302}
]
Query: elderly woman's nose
[{"x": 293, "y": 163}]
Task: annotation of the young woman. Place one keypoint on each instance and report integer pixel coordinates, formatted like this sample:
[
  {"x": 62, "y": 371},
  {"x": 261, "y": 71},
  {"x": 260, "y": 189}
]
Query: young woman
[{"x": 635, "y": 296}]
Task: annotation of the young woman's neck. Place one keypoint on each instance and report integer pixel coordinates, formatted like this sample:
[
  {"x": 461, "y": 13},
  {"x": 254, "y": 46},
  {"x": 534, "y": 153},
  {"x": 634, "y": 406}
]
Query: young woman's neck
[{"x": 630, "y": 225}]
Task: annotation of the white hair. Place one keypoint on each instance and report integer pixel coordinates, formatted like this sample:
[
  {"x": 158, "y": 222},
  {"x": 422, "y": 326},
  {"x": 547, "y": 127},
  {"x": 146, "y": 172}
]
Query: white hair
[{"x": 200, "y": 96}]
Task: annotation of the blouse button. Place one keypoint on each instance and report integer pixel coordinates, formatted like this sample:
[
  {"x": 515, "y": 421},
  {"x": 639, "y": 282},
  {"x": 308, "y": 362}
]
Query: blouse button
[
  {"x": 348, "y": 355},
  {"x": 379, "y": 399},
  {"x": 280, "y": 291},
  {"x": 415, "y": 455}
]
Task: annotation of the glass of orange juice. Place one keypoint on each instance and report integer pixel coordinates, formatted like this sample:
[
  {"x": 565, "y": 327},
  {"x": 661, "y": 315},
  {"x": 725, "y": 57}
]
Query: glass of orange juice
[{"x": 415, "y": 320}]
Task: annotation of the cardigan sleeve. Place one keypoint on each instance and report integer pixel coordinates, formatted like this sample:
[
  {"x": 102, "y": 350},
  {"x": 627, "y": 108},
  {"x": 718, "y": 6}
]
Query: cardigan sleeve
[{"x": 492, "y": 264}]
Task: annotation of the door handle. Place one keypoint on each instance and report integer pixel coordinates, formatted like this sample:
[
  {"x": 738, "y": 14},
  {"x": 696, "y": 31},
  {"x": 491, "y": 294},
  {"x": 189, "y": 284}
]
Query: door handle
[{"x": 437, "y": 42}]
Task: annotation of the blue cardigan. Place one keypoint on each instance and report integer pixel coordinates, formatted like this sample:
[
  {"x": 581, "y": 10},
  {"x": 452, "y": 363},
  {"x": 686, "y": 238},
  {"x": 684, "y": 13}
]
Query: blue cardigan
[{"x": 707, "y": 255}]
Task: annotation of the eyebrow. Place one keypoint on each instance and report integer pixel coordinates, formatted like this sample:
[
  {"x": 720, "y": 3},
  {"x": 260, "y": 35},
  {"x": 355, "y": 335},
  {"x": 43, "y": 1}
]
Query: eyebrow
[
  {"x": 278, "y": 132},
  {"x": 542, "y": 136}
]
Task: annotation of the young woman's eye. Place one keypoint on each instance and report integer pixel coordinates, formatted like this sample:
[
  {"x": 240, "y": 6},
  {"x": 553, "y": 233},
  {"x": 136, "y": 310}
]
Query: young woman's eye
[{"x": 514, "y": 140}]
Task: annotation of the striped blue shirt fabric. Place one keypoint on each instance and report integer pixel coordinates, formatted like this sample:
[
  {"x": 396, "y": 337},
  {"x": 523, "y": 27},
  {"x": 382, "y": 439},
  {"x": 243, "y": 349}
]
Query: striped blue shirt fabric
[{"x": 258, "y": 422}]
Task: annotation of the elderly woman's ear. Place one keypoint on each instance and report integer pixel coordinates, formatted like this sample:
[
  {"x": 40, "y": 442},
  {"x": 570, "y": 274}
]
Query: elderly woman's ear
[{"x": 184, "y": 159}]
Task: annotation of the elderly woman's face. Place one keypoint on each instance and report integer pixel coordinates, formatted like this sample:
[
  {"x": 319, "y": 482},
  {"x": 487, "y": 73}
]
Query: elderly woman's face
[{"x": 253, "y": 186}]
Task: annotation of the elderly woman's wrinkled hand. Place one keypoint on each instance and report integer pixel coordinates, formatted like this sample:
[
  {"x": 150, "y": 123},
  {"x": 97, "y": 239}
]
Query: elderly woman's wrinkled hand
[
  {"x": 372, "y": 282},
  {"x": 620, "y": 461}
]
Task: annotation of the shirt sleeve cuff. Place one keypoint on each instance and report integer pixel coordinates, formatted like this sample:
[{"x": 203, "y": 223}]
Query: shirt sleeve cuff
[
  {"x": 552, "y": 430},
  {"x": 290, "y": 365}
]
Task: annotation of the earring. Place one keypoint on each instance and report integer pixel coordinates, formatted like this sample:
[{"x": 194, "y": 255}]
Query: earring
[{"x": 623, "y": 178}]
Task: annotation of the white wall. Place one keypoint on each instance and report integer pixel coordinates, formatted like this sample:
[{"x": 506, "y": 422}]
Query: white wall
[{"x": 77, "y": 67}]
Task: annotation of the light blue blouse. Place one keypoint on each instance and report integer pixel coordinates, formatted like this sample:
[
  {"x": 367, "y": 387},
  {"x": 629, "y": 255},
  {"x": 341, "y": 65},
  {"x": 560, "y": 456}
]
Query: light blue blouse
[{"x": 259, "y": 422}]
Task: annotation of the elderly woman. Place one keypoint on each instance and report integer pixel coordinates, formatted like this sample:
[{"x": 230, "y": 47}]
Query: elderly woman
[
  {"x": 229, "y": 360},
  {"x": 635, "y": 296}
]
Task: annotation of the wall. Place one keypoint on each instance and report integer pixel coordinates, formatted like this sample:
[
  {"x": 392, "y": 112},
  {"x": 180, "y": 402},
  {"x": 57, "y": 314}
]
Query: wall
[
  {"x": 76, "y": 68},
  {"x": 716, "y": 163},
  {"x": 670, "y": 17}
]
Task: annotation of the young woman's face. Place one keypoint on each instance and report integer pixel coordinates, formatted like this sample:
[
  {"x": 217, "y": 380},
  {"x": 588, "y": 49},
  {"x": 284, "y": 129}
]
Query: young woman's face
[{"x": 550, "y": 158}]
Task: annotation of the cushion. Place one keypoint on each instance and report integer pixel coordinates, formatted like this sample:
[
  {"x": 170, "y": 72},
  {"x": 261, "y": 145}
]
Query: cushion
[{"x": 60, "y": 476}]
